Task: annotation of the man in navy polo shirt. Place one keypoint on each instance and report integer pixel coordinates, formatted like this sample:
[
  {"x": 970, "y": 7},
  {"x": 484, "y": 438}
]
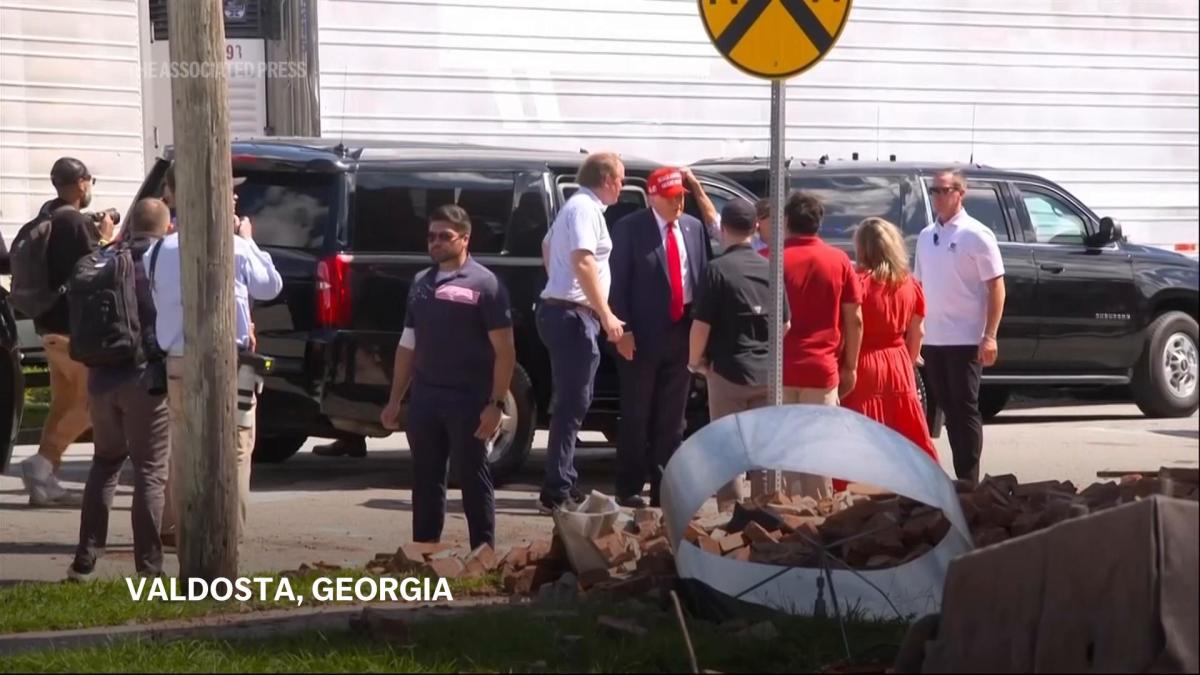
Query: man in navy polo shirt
[{"x": 457, "y": 349}]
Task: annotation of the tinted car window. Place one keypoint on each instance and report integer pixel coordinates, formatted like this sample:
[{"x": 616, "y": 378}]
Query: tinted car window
[
  {"x": 983, "y": 204},
  {"x": 392, "y": 208},
  {"x": 288, "y": 210},
  {"x": 632, "y": 199},
  {"x": 850, "y": 199},
  {"x": 529, "y": 219},
  {"x": 1054, "y": 222},
  {"x": 718, "y": 195}
]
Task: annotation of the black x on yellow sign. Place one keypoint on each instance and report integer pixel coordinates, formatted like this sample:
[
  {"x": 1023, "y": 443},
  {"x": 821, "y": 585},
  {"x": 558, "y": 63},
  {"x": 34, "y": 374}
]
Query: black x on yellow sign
[{"x": 774, "y": 39}]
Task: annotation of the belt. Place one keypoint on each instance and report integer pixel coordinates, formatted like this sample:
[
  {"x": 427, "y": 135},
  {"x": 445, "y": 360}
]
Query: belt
[{"x": 569, "y": 304}]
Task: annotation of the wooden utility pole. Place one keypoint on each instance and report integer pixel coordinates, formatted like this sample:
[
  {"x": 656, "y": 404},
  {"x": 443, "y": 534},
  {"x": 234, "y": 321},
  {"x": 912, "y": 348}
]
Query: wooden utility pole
[{"x": 208, "y": 522}]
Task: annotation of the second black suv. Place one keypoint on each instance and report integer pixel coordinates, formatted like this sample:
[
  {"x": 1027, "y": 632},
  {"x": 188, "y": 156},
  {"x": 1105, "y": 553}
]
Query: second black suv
[
  {"x": 345, "y": 225},
  {"x": 1084, "y": 306}
]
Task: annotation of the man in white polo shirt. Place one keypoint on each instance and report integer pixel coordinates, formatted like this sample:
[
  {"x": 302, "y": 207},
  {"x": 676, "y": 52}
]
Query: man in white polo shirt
[
  {"x": 958, "y": 263},
  {"x": 573, "y": 311}
]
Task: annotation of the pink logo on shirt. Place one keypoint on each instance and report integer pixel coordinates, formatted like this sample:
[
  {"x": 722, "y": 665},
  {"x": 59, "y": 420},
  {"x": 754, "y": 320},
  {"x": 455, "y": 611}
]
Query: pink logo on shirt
[{"x": 458, "y": 294}]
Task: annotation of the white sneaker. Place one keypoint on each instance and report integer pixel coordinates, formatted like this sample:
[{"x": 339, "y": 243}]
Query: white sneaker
[{"x": 42, "y": 485}]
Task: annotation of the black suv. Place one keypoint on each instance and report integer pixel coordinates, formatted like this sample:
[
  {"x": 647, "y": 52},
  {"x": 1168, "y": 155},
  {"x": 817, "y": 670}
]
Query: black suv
[
  {"x": 345, "y": 224},
  {"x": 1084, "y": 306},
  {"x": 12, "y": 377}
]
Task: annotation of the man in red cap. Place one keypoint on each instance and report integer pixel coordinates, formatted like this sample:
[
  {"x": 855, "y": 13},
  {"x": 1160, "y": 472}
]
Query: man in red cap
[{"x": 660, "y": 255}]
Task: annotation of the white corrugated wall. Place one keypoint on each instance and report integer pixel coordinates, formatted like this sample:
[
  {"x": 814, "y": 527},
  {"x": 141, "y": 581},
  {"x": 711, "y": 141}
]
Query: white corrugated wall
[
  {"x": 70, "y": 84},
  {"x": 1100, "y": 95}
]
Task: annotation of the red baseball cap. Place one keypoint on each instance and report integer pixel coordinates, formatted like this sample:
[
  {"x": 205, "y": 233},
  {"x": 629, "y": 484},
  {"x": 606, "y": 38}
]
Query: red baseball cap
[{"x": 666, "y": 182}]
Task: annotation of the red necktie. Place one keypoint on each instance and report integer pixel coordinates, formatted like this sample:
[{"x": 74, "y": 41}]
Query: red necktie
[{"x": 674, "y": 273}]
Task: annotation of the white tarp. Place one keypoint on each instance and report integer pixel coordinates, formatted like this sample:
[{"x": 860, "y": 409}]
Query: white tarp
[{"x": 822, "y": 440}]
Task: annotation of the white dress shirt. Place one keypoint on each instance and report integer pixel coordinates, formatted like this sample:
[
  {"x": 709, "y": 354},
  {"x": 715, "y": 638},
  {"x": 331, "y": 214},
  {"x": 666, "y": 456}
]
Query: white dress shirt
[
  {"x": 254, "y": 276},
  {"x": 683, "y": 257}
]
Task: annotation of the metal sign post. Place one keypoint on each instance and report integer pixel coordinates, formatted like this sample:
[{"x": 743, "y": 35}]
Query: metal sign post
[
  {"x": 775, "y": 40},
  {"x": 778, "y": 196}
]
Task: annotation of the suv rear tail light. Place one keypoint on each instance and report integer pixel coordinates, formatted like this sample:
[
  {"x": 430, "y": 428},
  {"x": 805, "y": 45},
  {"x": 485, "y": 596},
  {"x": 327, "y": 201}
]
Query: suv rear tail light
[{"x": 333, "y": 292}]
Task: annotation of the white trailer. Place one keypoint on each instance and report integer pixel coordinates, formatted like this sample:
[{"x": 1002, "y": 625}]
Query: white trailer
[
  {"x": 1099, "y": 95},
  {"x": 70, "y": 84}
]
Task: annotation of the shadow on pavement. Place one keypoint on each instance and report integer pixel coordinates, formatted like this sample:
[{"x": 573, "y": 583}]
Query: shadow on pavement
[
  {"x": 1184, "y": 433},
  {"x": 504, "y": 506},
  {"x": 37, "y": 548},
  {"x": 1059, "y": 419}
]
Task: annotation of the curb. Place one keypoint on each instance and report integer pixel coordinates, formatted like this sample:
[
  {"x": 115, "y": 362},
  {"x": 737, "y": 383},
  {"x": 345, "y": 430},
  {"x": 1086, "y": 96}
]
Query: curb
[{"x": 256, "y": 625}]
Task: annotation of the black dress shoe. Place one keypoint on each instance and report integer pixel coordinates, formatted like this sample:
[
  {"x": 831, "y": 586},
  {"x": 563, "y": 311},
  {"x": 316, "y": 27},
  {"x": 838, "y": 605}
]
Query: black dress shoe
[
  {"x": 632, "y": 502},
  {"x": 356, "y": 447}
]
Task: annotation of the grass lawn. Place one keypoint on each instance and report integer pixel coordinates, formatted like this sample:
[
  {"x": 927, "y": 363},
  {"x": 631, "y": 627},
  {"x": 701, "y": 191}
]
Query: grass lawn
[
  {"x": 517, "y": 639},
  {"x": 37, "y": 402},
  {"x": 38, "y": 606}
]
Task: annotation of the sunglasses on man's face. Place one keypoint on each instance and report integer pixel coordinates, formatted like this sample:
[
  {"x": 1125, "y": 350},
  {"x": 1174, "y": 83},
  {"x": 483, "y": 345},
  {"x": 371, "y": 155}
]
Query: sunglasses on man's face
[
  {"x": 444, "y": 236},
  {"x": 935, "y": 191}
]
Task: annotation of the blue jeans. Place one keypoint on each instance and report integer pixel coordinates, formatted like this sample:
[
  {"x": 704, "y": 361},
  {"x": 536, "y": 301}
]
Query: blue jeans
[{"x": 570, "y": 336}]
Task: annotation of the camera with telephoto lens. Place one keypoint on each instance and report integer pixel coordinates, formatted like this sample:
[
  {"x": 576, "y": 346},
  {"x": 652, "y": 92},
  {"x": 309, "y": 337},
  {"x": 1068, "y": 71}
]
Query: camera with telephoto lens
[{"x": 98, "y": 216}]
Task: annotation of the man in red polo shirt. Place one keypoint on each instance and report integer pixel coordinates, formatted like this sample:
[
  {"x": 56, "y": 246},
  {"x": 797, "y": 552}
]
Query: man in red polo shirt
[{"x": 820, "y": 351}]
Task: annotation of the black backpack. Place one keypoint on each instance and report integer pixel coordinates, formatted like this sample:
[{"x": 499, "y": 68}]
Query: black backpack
[
  {"x": 102, "y": 301},
  {"x": 31, "y": 292}
]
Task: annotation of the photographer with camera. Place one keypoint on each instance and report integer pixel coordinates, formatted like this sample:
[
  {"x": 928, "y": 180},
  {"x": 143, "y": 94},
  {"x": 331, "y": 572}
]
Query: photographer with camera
[
  {"x": 127, "y": 386},
  {"x": 255, "y": 278},
  {"x": 42, "y": 258}
]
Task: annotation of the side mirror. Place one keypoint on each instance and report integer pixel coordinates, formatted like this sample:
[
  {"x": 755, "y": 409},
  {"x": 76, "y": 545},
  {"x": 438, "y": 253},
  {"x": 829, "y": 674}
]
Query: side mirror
[{"x": 1110, "y": 231}]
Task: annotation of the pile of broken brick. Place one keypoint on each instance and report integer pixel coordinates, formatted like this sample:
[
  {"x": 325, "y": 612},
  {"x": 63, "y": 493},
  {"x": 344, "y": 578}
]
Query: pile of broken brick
[
  {"x": 638, "y": 555},
  {"x": 861, "y": 531},
  {"x": 869, "y": 532}
]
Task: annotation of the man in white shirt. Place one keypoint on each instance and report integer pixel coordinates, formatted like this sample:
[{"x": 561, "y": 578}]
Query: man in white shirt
[
  {"x": 958, "y": 263},
  {"x": 255, "y": 278},
  {"x": 573, "y": 311}
]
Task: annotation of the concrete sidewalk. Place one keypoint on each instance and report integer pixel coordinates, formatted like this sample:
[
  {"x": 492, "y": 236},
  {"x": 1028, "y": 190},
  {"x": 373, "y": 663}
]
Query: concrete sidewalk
[{"x": 343, "y": 511}]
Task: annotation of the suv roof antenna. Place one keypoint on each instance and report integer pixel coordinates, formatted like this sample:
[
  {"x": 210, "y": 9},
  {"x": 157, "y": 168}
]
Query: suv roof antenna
[
  {"x": 973, "y": 109},
  {"x": 341, "y": 146},
  {"x": 877, "y": 117}
]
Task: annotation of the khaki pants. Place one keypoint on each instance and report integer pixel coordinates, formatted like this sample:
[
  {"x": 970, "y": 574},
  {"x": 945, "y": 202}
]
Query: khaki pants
[
  {"x": 245, "y": 449},
  {"x": 69, "y": 415},
  {"x": 804, "y": 484},
  {"x": 728, "y": 398}
]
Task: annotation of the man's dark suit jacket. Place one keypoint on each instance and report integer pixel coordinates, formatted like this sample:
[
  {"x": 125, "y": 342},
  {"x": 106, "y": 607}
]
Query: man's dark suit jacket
[{"x": 641, "y": 289}]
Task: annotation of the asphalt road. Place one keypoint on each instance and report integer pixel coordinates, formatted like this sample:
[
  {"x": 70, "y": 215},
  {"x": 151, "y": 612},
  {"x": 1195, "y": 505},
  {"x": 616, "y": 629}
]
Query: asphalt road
[{"x": 343, "y": 510}]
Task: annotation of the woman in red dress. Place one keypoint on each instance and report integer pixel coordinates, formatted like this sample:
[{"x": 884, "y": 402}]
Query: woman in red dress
[{"x": 893, "y": 309}]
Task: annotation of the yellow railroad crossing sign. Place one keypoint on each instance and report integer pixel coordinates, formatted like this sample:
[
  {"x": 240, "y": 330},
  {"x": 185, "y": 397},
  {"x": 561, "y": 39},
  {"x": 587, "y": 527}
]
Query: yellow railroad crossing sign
[{"x": 774, "y": 39}]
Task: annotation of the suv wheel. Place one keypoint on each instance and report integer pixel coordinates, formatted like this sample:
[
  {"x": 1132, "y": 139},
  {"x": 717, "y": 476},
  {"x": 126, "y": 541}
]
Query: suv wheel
[
  {"x": 511, "y": 447},
  {"x": 12, "y": 400},
  {"x": 992, "y": 400},
  {"x": 1165, "y": 377},
  {"x": 277, "y": 448}
]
